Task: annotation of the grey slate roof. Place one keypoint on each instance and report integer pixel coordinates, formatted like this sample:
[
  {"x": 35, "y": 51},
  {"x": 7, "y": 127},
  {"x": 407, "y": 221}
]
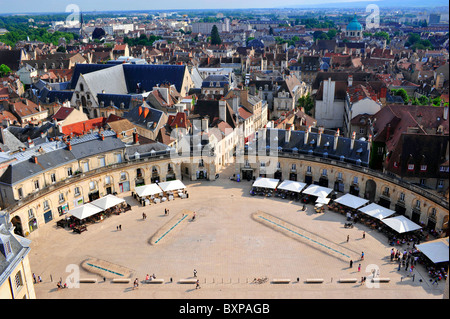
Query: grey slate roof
[
  {"x": 25, "y": 169},
  {"x": 20, "y": 247},
  {"x": 56, "y": 153},
  {"x": 91, "y": 144},
  {"x": 276, "y": 138}
]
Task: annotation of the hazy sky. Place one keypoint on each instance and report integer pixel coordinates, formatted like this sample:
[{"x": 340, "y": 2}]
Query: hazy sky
[
  {"x": 28, "y": 6},
  {"x": 21, "y": 6}
]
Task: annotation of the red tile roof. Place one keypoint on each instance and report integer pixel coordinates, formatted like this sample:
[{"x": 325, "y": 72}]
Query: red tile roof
[
  {"x": 62, "y": 113},
  {"x": 80, "y": 128}
]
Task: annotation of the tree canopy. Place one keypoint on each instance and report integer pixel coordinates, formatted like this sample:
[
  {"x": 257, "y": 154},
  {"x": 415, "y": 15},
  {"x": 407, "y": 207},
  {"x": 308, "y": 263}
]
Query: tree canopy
[{"x": 215, "y": 37}]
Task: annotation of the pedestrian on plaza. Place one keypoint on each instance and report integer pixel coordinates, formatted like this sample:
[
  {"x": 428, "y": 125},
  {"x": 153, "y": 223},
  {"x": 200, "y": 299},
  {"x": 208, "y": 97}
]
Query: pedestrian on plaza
[
  {"x": 399, "y": 265},
  {"x": 197, "y": 286},
  {"x": 39, "y": 279},
  {"x": 165, "y": 211},
  {"x": 359, "y": 267},
  {"x": 435, "y": 281},
  {"x": 351, "y": 263},
  {"x": 195, "y": 273},
  {"x": 364, "y": 234},
  {"x": 120, "y": 227},
  {"x": 34, "y": 278},
  {"x": 348, "y": 237},
  {"x": 362, "y": 256}
]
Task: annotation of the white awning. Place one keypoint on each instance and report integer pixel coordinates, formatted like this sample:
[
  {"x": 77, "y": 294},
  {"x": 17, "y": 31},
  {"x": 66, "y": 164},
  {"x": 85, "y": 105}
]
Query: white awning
[
  {"x": 148, "y": 190},
  {"x": 322, "y": 200},
  {"x": 171, "y": 185},
  {"x": 351, "y": 201},
  {"x": 316, "y": 190},
  {"x": 292, "y": 186},
  {"x": 107, "y": 201},
  {"x": 376, "y": 211},
  {"x": 401, "y": 224},
  {"x": 264, "y": 182},
  {"x": 435, "y": 250},
  {"x": 85, "y": 211}
]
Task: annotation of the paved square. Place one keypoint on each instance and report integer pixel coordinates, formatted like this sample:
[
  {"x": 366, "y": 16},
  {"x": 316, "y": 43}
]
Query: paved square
[{"x": 227, "y": 247}]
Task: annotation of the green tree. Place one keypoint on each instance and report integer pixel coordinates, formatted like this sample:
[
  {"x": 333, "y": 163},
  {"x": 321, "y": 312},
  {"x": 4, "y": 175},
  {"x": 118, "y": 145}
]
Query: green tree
[
  {"x": 403, "y": 94},
  {"x": 4, "y": 70},
  {"x": 331, "y": 34},
  {"x": 423, "y": 100},
  {"x": 215, "y": 37},
  {"x": 383, "y": 34},
  {"x": 306, "y": 102}
]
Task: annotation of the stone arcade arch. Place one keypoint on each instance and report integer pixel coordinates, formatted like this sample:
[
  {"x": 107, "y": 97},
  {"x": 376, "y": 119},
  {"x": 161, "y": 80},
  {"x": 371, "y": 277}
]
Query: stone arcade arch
[{"x": 371, "y": 190}]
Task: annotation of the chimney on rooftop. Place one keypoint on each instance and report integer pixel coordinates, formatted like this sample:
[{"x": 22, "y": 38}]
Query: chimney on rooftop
[
  {"x": 445, "y": 116},
  {"x": 336, "y": 138},
  {"x": 305, "y": 141},
  {"x": 352, "y": 143},
  {"x": 319, "y": 136},
  {"x": 69, "y": 146},
  {"x": 30, "y": 142},
  {"x": 135, "y": 138}
]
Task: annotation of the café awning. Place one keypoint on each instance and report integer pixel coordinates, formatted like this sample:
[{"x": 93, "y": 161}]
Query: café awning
[
  {"x": 322, "y": 200},
  {"x": 376, "y": 211},
  {"x": 436, "y": 250},
  {"x": 85, "y": 211},
  {"x": 401, "y": 224},
  {"x": 264, "y": 182},
  {"x": 148, "y": 190},
  {"x": 171, "y": 185},
  {"x": 292, "y": 186},
  {"x": 351, "y": 201},
  {"x": 107, "y": 201},
  {"x": 316, "y": 190}
]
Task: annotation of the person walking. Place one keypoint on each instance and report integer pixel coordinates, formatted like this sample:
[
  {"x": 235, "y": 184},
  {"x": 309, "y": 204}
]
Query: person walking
[
  {"x": 195, "y": 273},
  {"x": 348, "y": 237},
  {"x": 351, "y": 263},
  {"x": 197, "y": 286},
  {"x": 362, "y": 256},
  {"x": 359, "y": 267},
  {"x": 364, "y": 234}
]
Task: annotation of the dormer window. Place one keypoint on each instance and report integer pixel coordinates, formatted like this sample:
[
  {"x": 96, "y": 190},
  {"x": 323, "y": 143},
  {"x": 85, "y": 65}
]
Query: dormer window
[
  {"x": 5, "y": 246},
  {"x": 410, "y": 167},
  {"x": 423, "y": 168}
]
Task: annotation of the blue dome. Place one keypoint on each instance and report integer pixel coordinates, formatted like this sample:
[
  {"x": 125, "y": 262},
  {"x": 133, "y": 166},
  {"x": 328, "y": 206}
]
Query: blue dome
[{"x": 354, "y": 25}]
